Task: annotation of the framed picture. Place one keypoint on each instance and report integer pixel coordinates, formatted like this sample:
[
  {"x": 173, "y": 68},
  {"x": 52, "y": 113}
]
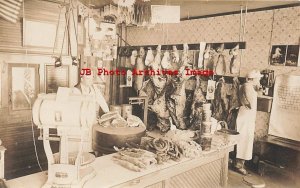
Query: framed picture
[
  {"x": 38, "y": 33},
  {"x": 23, "y": 85},
  {"x": 56, "y": 77},
  {"x": 278, "y": 55},
  {"x": 292, "y": 55}
]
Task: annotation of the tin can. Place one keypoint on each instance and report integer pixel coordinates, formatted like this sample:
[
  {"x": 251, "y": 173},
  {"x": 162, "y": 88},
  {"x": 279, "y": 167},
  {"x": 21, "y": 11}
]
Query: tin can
[
  {"x": 206, "y": 106},
  {"x": 206, "y": 115},
  {"x": 205, "y": 141},
  {"x": 116, "y": 108},
  {"x": 126, "y": 110},
  {"x": 206, "y": 127}
]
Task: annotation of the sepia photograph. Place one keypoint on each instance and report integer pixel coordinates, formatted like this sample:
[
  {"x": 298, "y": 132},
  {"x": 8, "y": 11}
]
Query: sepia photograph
[
  {"x": 278, "y": 55},
  {"x": 292, "y": 55},
  {"x": 149, "y": 94}
]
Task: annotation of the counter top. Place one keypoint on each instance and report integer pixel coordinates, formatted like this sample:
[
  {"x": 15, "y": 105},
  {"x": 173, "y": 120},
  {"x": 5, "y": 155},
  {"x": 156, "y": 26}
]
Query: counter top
[{"x": 110, "y": 174}]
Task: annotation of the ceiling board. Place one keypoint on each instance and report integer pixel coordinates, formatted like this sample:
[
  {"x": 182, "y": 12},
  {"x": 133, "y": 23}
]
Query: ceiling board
[{"x": 193, "y": 8}]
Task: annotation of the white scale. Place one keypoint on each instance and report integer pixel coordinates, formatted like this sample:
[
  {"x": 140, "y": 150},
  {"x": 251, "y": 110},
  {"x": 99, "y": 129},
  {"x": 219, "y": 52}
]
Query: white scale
[{"x": 71, "y": 116}]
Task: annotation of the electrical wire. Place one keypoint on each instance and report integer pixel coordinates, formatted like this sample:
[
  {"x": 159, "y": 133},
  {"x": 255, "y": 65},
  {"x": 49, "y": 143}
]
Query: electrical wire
[
  {"x": 271, "y": 35},
  {"x": 67, "y": 23},
  {"x": 241, "y": 23},
  {"x": 74, "y": 22},
  {"x": 243, "y": 30},
  {"x": 245, "y": 21},
  {"x": 57, "y": 26}
]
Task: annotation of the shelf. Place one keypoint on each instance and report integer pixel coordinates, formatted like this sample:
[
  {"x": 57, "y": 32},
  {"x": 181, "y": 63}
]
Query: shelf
[{"x": 227, "y": 45}]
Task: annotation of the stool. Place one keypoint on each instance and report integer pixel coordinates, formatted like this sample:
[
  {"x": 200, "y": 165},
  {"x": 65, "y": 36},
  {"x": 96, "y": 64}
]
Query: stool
[{"x": 254, "y": 181}]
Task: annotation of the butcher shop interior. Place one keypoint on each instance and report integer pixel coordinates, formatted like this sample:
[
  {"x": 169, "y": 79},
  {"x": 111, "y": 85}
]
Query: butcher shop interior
[{"x": 149, "y": 93}]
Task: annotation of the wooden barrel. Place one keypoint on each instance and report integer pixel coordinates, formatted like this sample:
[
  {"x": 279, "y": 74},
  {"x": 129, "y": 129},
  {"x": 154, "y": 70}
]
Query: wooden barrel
[{"x": 105, "y": 138}]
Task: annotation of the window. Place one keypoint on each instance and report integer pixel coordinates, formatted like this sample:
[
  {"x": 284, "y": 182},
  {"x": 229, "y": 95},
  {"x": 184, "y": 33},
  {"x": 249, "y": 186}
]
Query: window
[{"x": 23, "y": 86}]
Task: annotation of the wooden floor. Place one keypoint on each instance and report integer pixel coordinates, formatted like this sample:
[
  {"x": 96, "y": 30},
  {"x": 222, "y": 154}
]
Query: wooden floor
[{"x": 272, "y": 180}]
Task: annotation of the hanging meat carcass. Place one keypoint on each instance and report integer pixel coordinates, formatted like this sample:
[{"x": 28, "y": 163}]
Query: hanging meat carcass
[
  {"x": 148, "y": 90},
  {"x": 176, "y": 100},
  {"x": 185, "y": 59},
  {"x": 175, "y": 55},
  {"x": 220, "y": 103},
  {"x": 220, "y": 65},
  {"x": 153, "y": 88},
  {"x": 166, "y": 61},
  {"x": 156, "y": 65},
  {"x": 175, "y": 65},
  {"x": 208, "y": 61},
  {"x": 159, "y": 107},
  {"x": 199, "y": 97},
  {"x": 234, "y": 99},
  {"x": 198, "y": 100},
  {"x": 159, "y": 82},
  {"x": 234, "y": 103},
  {"x": 149, "y": 57},
  {"x": 133, "y": 57},
  {"x": 201, "y": 54},
  {"x": 139, "y": 79},
  {"x": 234, "y": 62}
]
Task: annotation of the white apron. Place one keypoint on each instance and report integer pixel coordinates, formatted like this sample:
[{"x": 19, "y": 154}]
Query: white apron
[{"x": 245, "y": 123}]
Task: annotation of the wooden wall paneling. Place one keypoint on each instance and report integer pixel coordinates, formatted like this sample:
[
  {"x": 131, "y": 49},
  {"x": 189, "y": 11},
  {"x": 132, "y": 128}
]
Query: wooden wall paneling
[
  {"x": 11, "y": 35},
  {"x": 20, "y": 157}
]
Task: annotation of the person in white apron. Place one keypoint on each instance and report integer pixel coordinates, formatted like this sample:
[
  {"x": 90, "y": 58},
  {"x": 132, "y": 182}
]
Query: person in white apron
[
  {"x": 86, "y": 87},
  {"x": 245, "y": 121}
]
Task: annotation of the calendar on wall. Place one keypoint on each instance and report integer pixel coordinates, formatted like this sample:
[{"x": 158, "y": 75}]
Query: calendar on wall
[{"x": 284, "y": 119}]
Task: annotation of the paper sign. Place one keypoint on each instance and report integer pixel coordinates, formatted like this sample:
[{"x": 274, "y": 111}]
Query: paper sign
[
  {"x": 129, "y": 78},
  {"x": 165, "y": 14},
  {"x": 211, "y": 87}
]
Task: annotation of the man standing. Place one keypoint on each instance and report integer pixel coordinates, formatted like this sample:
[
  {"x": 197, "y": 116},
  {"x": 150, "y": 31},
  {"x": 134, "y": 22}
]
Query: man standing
[{"x": 245, "y": 121}]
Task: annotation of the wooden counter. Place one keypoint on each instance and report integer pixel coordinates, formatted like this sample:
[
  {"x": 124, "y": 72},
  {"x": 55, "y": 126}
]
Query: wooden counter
[{"x": 209, "y": 170}]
